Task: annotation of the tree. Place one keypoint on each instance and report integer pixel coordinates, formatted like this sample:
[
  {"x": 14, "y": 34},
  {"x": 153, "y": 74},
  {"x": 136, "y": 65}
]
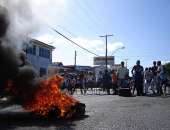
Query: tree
[{"x": 167, "y": 68}]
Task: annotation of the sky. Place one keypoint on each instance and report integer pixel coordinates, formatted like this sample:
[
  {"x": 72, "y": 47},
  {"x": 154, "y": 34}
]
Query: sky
[{"x": 141, "y": 27}]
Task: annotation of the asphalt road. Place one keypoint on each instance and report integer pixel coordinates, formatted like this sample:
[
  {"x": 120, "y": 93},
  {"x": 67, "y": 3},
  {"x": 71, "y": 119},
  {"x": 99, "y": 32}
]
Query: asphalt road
[{"x": 103, "y": 112}]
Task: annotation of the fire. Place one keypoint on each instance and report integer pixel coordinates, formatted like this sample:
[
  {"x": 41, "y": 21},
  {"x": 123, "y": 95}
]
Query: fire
[
  {"x": 19, "y": 79},
  {"x": 49, "y": 97}
]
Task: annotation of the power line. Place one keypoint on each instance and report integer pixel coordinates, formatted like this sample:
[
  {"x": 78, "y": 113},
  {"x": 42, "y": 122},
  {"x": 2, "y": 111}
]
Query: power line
[
  {"x": 141, "y": 56},
  {"x": 89, "y": 7},
  {"x": 86, "y": 11},
  {"x": 69, "y": 32},
  {"x": 66, "y": 30},
  {"x": 74, "y": 42},
  {"x": 90, "y": 18},
  {"x": 83, "y": 23}
]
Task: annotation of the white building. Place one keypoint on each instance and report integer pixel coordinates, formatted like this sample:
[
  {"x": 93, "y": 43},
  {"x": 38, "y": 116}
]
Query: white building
[
  {"x": 39, "y": 54},
  {"x": 100, "y": 65},
  {"x": 116, "y": 67}
]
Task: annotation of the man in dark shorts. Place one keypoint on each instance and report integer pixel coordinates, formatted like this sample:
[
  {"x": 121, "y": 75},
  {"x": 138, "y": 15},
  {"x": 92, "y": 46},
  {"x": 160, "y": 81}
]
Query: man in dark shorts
[
  {"x": 107, "y": 81},
  {"x": 82, "y": 83},
  {"x": 138, "y": 74},
  {"x": 154, "y": 80}
]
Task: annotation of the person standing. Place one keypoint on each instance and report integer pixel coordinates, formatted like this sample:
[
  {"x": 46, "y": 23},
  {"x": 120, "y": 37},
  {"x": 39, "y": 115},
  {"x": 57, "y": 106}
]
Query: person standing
[
  {"x": 160, "y": 78},
  {"x": 99, "y": 79},
  {"x": 154, "y": 79},
  {"x": 122, "y": 74},
  {"x": 148, "y": 75},
  {"x": 82, "y": 82},
  {"x": 114, "y": 82},
  {"x": 164, "y": 80},
  {"x": 107, "y": 81},
  {"x": 137, "y": 72}
]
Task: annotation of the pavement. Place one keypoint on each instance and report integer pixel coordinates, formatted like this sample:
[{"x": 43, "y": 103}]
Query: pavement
[{"x": 103, "y": 112}]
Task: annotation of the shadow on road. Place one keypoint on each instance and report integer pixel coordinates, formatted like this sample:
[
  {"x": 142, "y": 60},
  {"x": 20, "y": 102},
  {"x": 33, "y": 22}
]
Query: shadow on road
[
  {"x": 13, "y": 120},
  {"x": 158, "y": 96}
]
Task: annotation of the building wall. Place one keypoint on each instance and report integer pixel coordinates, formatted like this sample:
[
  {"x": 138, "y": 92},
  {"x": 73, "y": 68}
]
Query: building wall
[{"x": 42, "y": 62}]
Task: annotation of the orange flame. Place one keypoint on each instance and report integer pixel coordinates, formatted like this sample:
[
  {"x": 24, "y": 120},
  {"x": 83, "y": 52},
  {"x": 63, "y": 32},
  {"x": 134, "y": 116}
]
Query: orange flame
[{"x": 49, "y": 96}]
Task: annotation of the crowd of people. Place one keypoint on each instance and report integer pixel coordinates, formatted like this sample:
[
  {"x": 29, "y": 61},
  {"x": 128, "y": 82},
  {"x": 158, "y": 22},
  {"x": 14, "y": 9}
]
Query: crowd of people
[
  {"x": 151, "y": 80},
  {"x": 74, "y": 81},
  {"x": 156, "y": 78}
]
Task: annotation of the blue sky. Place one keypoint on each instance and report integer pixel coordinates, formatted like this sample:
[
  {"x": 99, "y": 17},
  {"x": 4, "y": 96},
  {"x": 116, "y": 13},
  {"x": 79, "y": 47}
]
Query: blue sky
[{"x": 142, "y": 26}]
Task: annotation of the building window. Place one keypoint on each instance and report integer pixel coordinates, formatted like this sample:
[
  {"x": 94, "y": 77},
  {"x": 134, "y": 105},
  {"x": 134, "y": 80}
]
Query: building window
[
  {"x": 31, "y": 50},
  {"x": 43, "y": 72},
  {"x": 44, "y": 53}
]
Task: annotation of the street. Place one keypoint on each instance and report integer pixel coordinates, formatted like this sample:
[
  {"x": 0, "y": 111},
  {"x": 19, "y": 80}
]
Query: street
[{"x": 103, "y": 112}]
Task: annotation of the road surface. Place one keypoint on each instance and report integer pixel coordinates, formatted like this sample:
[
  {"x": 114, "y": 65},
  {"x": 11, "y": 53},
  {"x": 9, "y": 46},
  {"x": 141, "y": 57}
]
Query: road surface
[{"x": 103, "y": 112}]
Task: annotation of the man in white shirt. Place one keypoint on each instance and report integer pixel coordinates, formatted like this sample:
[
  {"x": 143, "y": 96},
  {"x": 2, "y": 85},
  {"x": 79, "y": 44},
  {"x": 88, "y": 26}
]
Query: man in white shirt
[{"x": 122, "y": 74}]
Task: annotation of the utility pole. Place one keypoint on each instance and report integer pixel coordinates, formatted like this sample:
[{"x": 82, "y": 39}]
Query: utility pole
[
  {"x": 106, "y": 48},
  {"x": 75, "y": 58},
  {"x": 126, "y": 60}
]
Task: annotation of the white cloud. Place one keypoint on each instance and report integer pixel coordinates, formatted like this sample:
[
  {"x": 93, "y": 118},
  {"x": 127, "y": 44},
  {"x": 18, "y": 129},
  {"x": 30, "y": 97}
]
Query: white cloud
[
  {"x": 65, "y": 50},
  {"x": 98, "y": 45},
  {"x": 28, "y": 16},
  {"x": 88, "y": 43},
  {"x": 115, "y": 46},
  {"x": 47, "y": 38},
  {"x": 49, "y": 11}
]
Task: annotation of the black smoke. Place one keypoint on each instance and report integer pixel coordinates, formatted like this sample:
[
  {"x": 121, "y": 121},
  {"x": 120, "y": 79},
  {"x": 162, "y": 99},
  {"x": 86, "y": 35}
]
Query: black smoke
[
  {"x": 13, "y": 63},
  {"x": 8, "y": 64},
  {"x": 4, "y": 23},
  {"x": 8, "y": 58}
]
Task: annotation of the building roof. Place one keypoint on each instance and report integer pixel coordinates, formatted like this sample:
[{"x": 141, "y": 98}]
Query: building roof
[{"x": 42, "y": 43}]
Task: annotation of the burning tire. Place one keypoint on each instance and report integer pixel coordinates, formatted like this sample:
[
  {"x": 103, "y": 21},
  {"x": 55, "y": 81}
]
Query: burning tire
[{"x": 75, "y": 111}]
